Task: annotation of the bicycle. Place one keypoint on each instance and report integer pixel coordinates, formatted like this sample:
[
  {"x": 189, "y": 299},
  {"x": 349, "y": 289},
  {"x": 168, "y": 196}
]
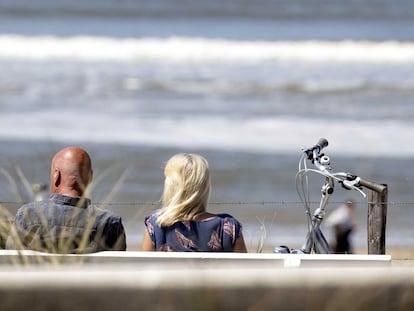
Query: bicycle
[{"x": 315, "y": 241}]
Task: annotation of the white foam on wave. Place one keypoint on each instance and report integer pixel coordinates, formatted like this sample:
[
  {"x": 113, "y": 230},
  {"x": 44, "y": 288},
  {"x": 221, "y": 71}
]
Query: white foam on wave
[
  {"x": 200, "y": 49},
  {"x": 268, "y": 135}
]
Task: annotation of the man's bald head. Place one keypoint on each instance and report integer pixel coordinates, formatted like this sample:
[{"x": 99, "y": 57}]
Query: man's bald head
[{"x": 71, "y": 171}]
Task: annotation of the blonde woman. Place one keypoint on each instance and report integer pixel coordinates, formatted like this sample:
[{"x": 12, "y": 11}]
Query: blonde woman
[{"x": 183, "y": 224}]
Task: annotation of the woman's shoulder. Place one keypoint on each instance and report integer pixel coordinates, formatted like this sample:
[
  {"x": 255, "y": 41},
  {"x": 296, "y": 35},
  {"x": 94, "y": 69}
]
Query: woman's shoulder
[
  {"x": 154, "y": 213},
  {"x": 227, "y": 217},
  {"x": 152, "y": 216},
  {"x": 224, "y": 215}
]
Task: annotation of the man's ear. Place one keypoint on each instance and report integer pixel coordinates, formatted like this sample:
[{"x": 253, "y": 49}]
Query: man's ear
[
  {"x": 56, "y": 178},
  {"x": 90, "y": 176}
]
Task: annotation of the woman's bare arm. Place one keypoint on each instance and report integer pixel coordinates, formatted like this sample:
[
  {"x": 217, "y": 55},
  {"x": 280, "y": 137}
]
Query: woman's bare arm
[
  {"x": 240, "y": 246},
  {"x": 147, "y": 244}
]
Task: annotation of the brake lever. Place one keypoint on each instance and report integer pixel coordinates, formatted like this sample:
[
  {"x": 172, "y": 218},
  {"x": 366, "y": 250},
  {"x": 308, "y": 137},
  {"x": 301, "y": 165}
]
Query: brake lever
[{"x": 351, "y": 183}]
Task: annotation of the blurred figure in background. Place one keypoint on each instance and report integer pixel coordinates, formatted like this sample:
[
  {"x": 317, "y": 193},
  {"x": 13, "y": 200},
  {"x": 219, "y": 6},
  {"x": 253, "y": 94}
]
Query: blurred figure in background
[
  {"x": 183, "y": 224},
  {"x": 342, "y": 225},
  {"x": 40, "y": 191}
]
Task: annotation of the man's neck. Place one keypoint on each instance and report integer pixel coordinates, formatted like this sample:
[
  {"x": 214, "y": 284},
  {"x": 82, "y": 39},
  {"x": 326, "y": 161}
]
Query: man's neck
[{"x": 70, "y": 192}]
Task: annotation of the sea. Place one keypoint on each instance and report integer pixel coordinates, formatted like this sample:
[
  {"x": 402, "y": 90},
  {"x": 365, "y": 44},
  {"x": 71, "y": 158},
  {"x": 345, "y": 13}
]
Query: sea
[{"x": 246, "y": 84}]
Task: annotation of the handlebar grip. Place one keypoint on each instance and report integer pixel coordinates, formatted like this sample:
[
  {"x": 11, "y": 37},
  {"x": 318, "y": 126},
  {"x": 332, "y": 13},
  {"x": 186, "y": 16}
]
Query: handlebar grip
[
  {"x": 314, "y": 151},
  {"x": 372, "y": 186},
  {"x": 322, "y": 143}
]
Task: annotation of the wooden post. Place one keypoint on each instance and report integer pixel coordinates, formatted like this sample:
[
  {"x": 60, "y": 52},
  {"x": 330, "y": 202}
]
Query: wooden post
[{"x": 377, "y": 219}]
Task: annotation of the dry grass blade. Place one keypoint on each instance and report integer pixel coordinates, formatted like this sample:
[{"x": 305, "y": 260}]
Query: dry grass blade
[
  {"x": 27, "y": 185},
  {"x": 13, "y": 185},
  {"x": 115, "y": 189}
]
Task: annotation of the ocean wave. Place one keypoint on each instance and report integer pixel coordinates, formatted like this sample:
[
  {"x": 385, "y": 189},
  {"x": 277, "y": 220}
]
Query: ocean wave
[
  {"x": 255, "y": 134},
  {"x": 180, "y": 49},
  {"x": 237, "y": 88}
]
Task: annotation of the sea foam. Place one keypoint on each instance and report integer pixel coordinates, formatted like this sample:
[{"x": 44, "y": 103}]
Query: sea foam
[
  {"x": 182, "y": 49},
  {"x": 262, "y": 135}
]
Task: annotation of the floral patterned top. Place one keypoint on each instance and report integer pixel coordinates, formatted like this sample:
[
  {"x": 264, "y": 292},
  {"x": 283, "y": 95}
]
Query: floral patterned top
[{"x": 217, "y": 234}]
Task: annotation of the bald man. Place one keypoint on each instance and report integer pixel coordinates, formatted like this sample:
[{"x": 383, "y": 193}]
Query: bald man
[{"x": 67, "y": 222}]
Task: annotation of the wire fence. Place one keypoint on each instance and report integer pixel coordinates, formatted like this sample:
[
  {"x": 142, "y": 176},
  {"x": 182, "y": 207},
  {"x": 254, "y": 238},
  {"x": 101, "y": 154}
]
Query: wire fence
[{"x": 229, "y": 203}]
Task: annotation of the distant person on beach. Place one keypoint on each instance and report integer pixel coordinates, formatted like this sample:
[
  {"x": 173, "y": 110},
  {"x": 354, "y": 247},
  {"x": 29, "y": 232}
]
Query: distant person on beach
[
  {"x": 40, "y": 191},
  {"x": 67, "y": 222},
  {"x": 342, "y": 225},
  {"x": 183, "y": 224}
]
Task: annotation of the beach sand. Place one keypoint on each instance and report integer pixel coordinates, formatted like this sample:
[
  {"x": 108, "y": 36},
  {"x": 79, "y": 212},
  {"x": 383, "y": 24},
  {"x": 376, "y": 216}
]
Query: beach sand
[{"x": 401, "y": 256}]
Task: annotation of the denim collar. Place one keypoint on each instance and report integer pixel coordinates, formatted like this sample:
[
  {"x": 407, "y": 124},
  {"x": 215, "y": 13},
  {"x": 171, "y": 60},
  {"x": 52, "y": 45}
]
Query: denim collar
[{"x": 81, "y": 202}]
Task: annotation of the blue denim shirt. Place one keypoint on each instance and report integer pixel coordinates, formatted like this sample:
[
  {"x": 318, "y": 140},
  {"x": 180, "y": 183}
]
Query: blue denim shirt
[{"x": 63, "y": 224}]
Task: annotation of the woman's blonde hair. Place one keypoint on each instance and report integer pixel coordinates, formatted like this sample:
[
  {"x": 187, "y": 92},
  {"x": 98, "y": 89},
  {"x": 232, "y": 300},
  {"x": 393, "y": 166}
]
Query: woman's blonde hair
[{"x": 186, "y": 188}]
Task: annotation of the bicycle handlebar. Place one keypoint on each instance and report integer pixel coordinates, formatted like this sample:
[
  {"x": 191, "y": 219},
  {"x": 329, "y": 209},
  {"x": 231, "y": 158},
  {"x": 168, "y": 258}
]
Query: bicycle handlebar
[
  {"x": 372, "y": 186},
  {"x": 314, "y": 151},
  {"x": 313, "y": 154}
]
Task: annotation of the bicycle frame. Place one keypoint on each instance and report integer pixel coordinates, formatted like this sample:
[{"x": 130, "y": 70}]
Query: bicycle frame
[
  {"x": 315, "y": 238},
  {"x": 315, "y": 241}
]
